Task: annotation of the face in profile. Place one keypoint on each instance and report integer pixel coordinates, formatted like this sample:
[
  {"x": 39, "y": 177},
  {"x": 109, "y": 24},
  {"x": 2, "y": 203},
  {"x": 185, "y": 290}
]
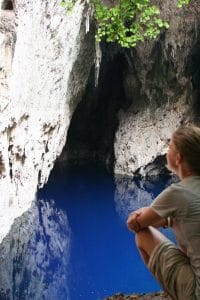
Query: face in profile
[{"x": 172, "y": 157}]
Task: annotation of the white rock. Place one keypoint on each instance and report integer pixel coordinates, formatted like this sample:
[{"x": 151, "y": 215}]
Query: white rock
[
  {"x": 144, "y": 136},
  {"x": 44, "y": 75}
]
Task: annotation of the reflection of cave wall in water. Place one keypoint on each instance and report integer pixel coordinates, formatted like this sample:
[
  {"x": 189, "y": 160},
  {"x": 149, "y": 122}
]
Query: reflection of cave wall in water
[
  {"x": 92, "y": 130},
  {"x": 34, "y": 255},
  {"x": 133, "y": 193}
]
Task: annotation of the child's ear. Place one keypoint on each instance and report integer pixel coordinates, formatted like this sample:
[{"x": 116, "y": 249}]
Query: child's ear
[{"x": 179, "y": 158}]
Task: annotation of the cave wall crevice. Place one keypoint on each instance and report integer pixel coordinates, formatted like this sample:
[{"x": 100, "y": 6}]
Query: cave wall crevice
[{"x": 94, "y": 123}]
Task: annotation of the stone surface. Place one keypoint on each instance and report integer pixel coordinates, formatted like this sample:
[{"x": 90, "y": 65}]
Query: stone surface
[
  {"x": 159, "y": 83},
  {"x": 143, "y": 136},
  {"x": 45, "y": 60},
  {"x": 150, "y": 296},
  {"x": 143, "y": 94}
]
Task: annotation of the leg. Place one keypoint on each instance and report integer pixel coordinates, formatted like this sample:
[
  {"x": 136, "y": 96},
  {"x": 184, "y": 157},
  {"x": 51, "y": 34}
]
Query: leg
[
  {"x": 170, "y": 266},
  {"x": 146, "y": 240}
]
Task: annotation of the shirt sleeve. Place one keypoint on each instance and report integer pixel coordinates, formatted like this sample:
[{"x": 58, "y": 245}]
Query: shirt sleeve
[{"x": 168, "y": 202}]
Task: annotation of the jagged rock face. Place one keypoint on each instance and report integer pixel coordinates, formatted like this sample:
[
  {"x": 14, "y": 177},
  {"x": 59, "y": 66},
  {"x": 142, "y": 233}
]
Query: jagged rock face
[
  {"x": 159, "y": 86},
  {"x": 45, "y": 61},
  {"x": 143, "y": 136},
  {"x": 143, "y": 94}
]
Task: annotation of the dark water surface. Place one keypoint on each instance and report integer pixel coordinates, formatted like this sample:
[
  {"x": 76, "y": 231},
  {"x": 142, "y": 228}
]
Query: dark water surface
[{"x": 73, "y": 243}]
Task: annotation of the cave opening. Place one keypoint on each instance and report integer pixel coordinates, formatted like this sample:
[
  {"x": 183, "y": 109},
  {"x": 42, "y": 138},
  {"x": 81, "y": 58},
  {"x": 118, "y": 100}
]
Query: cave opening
[
  {"x": 91, "y": 134},
  {"x": 7, "y": 5}
]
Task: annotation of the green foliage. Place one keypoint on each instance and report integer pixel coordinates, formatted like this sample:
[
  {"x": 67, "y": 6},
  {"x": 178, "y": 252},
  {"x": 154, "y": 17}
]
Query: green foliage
[
  {"x": 183, "y": 2},
  {"x": 128, "y": 22},
  {"x": 68, "y": 4}
]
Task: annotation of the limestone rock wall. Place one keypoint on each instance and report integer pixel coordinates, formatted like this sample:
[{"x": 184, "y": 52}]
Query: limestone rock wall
[
  {"x": 45, "y": 60},
  {"x": 160, "y": 90},
  {"x": 144, "y": 136}
]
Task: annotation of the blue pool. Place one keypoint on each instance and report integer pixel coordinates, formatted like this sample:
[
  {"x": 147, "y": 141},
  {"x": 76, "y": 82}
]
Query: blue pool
[{"x": 73, "y": 243}]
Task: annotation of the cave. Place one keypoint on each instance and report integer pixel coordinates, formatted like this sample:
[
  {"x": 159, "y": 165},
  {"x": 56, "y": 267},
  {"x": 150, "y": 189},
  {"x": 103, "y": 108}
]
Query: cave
[
  {"x": 7, "y": 5},
  {"x": 91, "y": 134}
]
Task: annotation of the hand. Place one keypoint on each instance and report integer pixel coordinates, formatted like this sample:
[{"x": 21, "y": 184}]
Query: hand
[
  {"x": 142, "y": 218},
  {"x": 132, "y": 221}
]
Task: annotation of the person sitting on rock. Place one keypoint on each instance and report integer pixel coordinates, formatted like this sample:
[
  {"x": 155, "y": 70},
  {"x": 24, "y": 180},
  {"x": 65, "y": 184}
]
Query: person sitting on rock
[{"x": 176, "y": 267}]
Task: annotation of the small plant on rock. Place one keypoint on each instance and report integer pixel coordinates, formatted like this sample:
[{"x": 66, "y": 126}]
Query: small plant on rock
[{"x": 128, "y": 22}]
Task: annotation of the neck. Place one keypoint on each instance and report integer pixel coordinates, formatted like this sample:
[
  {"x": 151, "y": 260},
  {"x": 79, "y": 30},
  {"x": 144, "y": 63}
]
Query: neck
[{"x": 184, "y": 172}]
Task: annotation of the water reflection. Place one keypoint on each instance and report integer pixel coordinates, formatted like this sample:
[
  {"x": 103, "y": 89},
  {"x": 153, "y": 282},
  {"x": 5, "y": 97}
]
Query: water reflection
[
  {"x": 132, "y": 193},
  {"x": 35, "y": 254},
  {"x": 41, "y": 258}
]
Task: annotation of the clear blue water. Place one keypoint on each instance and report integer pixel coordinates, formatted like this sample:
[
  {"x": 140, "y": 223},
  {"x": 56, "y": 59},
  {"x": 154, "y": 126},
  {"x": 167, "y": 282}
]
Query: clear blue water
[{"x": 74, "y": 244}]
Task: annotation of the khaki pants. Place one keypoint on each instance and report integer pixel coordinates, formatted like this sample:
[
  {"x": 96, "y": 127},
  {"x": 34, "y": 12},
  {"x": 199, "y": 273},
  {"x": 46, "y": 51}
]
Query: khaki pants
[{"x": 172, "y": 269}]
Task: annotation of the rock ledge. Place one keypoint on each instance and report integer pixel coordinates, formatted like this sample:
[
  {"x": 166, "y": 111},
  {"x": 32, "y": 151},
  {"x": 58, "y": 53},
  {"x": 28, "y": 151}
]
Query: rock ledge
[{"x": 149, "y": 296}]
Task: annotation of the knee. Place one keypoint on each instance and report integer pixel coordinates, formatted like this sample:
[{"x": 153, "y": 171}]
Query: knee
[
  {"x": 141, "y": 238},
  {"x": 148, "y": 238}
]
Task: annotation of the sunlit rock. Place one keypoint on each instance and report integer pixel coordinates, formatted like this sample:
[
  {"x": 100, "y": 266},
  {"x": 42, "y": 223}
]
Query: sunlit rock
[{"x": 45, "y": 60}]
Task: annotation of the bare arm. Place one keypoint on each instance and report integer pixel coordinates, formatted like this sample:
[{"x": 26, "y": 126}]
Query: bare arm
[{"x": 144, "y": 217}]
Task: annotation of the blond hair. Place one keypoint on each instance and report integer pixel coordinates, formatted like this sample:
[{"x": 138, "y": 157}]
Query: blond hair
[{"x": 187, "y": 143}]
